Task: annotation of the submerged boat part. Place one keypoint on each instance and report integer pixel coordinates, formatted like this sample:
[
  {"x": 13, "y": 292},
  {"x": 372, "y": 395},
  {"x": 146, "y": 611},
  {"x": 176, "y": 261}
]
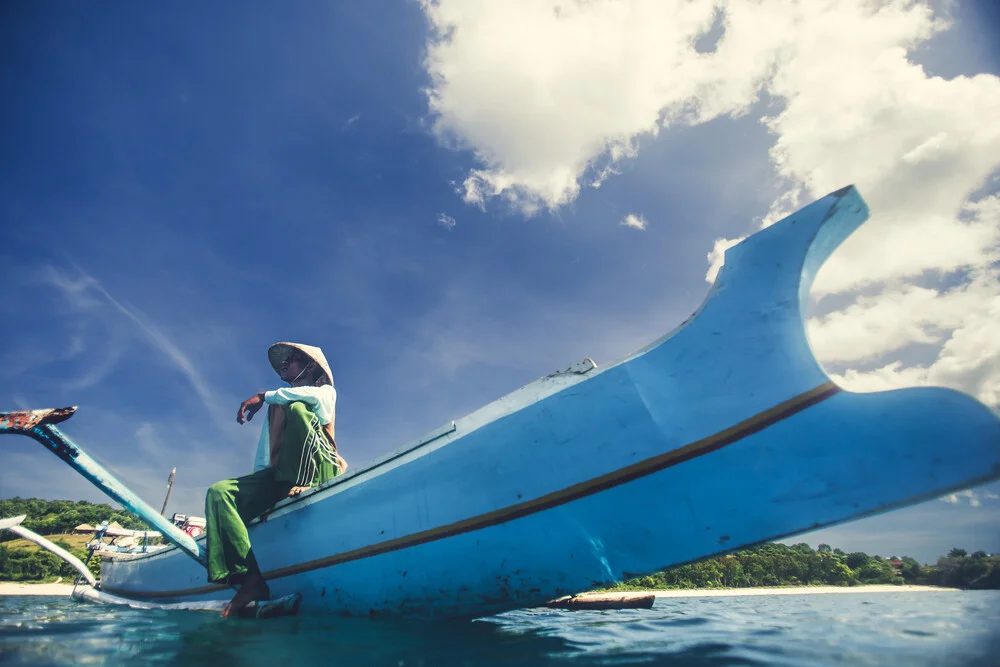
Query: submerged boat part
[
  {"x": 258, "y": 609},
  {"x": 722, "y": 434},
  {"x": 40, "y": 425},
  {"x": 96, "y": 595},
  {"x": 601, "y": 601}
]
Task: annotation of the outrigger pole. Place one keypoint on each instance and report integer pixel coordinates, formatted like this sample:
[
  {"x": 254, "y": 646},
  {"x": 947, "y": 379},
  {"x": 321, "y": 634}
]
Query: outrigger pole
[{"x": 40, "y": 425}]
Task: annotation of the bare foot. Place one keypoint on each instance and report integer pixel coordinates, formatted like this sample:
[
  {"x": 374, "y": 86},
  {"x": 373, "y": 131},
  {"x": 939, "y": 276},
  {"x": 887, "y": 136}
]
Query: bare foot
[
  {"x": 296, "y": 490},
  {"x": 254, "y": 588}
]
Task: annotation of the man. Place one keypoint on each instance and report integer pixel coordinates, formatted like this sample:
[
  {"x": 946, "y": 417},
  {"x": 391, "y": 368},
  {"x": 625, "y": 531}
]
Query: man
[{"x": 296, "y": 452}]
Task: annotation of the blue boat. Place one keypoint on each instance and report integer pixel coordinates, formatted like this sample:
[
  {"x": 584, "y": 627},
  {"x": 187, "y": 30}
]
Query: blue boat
[{"x": 724, "y": 433}]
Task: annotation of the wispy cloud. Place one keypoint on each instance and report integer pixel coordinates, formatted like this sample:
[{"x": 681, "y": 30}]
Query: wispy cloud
[
  {"x": 87, "y": 294},
  {"x": 446, "y": 221},
  {"x": 634, "y": 222},
  {"x": 159, "y": 340},
  {"x": 107, "y": 358}
]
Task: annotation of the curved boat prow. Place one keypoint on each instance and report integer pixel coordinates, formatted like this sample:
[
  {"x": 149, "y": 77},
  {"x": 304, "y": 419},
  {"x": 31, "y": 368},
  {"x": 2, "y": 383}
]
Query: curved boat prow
[
  {"x": 780, "y": 262},
  {"x": 744, "y": 358},
  {"x": 751, "y": 324}
]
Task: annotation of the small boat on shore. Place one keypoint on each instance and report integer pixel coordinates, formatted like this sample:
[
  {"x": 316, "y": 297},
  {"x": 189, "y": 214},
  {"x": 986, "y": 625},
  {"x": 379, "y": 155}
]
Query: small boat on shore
[
  {"x": 111, "y": 538},
  {"x": 724, "y": 433}
]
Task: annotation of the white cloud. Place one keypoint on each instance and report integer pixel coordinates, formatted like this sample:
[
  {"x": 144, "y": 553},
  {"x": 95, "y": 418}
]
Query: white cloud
[
  {"x": 717, "y": 257},
  {"x": 856, "y": 110},
  {"x": 875, "y": 325},
  {"x": 968, "y": 496},
  {"x": 446, "y": 221},
  {"x": 634, "y": 221},
  {"x": 888, "y": 249},
  {"x": 890, "y": 376},
  {"x": 540, "y": 91},
  {"x": 965, "y": 319}
]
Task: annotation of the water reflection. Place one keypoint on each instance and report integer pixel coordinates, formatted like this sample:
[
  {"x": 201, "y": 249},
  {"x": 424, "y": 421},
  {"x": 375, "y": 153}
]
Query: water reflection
[
  {"x": 348, "y": 641},
  {"x": 895, "y": 629}
]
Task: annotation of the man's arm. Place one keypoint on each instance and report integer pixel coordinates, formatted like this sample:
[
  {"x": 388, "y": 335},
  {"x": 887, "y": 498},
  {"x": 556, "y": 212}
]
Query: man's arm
[
  {"x": 321, "y": 401},
  {"x": 313, "y": 397},
  {"x": 249, "y": 408}
]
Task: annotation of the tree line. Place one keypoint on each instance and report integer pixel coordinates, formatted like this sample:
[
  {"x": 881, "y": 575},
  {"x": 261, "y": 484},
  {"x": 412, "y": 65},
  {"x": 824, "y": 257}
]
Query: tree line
[
  {"x": 776, "y": 564},
  {"x": 770, "y": 564},
  {"x": 52, "y": 517}
]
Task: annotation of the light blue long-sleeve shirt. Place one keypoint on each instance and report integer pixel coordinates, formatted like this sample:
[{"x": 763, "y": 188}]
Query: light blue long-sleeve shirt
[{"x": 321, "y": 401}]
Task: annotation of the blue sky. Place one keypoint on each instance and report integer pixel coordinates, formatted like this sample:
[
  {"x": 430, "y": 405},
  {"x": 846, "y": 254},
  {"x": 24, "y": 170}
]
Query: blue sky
[{"x": 183, "y": 185}]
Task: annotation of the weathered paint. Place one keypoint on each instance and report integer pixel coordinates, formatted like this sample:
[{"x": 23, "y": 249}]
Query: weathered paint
[
  {"x": 24, "y": 420},
  {"x": 722, "y": 434}
]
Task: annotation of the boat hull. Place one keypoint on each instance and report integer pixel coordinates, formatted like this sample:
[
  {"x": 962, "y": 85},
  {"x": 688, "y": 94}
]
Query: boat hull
[
  {"x": 723, "y": 434},
  {"x": 810, "y": 470}
]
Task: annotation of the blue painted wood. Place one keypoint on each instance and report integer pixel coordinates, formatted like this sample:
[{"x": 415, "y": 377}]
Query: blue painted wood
[{"x": 722, "y": 434}]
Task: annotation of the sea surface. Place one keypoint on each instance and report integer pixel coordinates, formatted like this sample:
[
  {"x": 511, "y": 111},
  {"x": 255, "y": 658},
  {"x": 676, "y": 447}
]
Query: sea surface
[{"x": 920, "y": 628}]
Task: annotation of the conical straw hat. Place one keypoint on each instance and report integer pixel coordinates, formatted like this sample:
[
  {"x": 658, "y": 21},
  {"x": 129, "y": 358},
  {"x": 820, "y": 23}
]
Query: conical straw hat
[{"x": 278, "y": 352}]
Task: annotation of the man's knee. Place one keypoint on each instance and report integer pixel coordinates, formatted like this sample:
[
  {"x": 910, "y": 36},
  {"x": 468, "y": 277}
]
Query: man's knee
[
  {"x": 299, "y": 409},
  {"x": 219, "y": 489}
]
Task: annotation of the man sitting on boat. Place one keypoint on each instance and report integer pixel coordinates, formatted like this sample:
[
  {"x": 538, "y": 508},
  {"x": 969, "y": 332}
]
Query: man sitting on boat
[{"x": 296, "y": 452}]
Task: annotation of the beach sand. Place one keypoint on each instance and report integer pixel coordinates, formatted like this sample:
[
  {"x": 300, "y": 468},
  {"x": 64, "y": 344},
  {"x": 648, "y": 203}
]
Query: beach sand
[
  {"x": 797, "y": 590},
  {"x": 9, "y": 588},
  {"x": 13, "y": 588}
]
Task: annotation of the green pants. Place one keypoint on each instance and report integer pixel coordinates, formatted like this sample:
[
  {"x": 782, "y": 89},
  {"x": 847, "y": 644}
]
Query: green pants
[{"x": 304, "y": 460}]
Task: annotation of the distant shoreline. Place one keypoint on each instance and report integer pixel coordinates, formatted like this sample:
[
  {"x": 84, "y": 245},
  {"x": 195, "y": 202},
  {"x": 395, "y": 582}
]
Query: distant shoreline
[
  {"x": 65, "y": 590},
  {"x": 796, "y": 590}
]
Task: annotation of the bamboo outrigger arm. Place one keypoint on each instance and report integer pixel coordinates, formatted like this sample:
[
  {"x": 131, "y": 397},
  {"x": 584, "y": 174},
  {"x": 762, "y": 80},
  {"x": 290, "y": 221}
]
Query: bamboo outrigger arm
[{"x": 40, "y": 425}]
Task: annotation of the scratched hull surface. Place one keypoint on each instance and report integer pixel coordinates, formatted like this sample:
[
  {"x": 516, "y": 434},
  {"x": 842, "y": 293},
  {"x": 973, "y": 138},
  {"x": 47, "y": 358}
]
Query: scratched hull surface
[{"x": 722, "y": 434}]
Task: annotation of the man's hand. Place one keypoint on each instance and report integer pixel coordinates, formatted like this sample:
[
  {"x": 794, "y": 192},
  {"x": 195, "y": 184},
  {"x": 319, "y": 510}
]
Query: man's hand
[
  {"x": 296, "y": 490},
  {"x": 249, "y": 408}
]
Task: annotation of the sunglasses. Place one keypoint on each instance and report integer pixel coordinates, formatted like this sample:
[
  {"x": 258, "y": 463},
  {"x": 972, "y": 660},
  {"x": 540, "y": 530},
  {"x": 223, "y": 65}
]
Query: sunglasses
[{"x": 290, "y": 360}]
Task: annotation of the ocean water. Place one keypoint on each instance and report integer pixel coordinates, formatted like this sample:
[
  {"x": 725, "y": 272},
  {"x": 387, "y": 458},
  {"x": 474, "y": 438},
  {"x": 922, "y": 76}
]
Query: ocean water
[{"x": 912, "y": 629}]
